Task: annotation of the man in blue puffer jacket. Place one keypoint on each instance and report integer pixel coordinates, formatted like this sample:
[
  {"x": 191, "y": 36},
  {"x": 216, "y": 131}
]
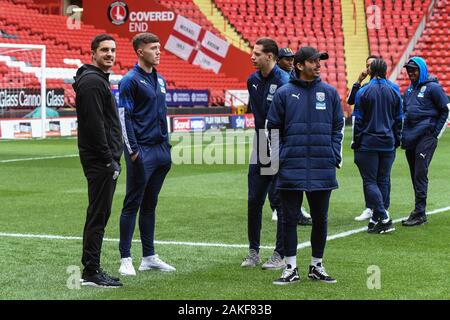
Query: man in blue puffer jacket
[
  {"x": 308, "y": 115},
  {"x": 426, "y": 110},
  {"x": 377, "y": 123}
]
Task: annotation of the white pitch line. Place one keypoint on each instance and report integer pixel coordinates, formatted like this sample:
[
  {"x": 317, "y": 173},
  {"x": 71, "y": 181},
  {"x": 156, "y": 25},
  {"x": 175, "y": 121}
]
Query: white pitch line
[
  {"x": 206, "y": 244},
  {"x": 76, "y": 155},
  {"x": 359, "y": 230},
  {"x": 179, "y": 243},
  {"x": 40, "y": 158}
]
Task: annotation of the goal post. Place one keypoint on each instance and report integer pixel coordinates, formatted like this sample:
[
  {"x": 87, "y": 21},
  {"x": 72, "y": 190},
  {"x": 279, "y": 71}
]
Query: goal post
[{"x": 22, "y": 71}]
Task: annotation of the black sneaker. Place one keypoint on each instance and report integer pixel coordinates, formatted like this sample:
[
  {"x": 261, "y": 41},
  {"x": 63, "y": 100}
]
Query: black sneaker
[
  {"x": 318, "y": 273},
  {"x": 100, "y": 279},
  {"x": 107, "y": 275},
  {"x": 380, "y": 227},
  {"x": 415, "y": 219},
  {"x": 304, "y": 221},
  {"x": 289, "y": 276}
]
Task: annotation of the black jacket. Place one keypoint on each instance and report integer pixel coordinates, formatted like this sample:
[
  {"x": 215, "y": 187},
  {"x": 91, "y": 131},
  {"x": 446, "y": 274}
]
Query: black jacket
[{"x": 99, "y": 129}]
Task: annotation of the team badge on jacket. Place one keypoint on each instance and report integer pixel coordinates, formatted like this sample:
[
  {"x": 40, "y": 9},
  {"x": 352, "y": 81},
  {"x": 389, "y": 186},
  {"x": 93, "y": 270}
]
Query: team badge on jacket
[
  {"x": 162, "y": 85},
  {"x": 320, "y": 98},
  {"x": 422, "y": 92},
  {"x": 273, "y": 88}
]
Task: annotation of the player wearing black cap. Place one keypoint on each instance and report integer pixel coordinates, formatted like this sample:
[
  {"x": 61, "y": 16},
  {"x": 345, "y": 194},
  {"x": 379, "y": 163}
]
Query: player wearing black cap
[
  {"x": 286, "y": 62},
  {"x": 308, "y": 115}
]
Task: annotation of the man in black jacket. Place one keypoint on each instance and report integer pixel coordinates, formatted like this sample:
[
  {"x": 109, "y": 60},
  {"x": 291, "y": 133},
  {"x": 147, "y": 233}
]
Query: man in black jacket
[{"x": 100, "y": 149}]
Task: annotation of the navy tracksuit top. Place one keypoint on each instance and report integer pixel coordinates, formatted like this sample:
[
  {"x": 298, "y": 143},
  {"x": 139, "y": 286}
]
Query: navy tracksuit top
[
  {"x": 311, "y": 122},
  {"x": 377, "y": 117},
  {"x": 262, "y": 90},
  {"x": 143, "y": 109}
]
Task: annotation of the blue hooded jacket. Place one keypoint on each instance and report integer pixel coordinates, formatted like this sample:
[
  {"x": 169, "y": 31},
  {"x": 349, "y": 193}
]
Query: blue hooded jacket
[
  {"x": 311, "y": 122},
  {"x": 143, "y": 109},
  {"x": 426, "y": 108},
  {"x": 377, "y": 117}
]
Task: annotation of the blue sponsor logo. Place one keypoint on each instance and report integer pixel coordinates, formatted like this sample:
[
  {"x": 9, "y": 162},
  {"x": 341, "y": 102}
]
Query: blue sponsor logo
[
  {"x": 238, "y": 122},
  {"x": 198, "y": 124}
]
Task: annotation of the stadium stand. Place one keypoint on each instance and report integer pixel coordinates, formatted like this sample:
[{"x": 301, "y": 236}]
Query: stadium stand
[
  {"x": 434, "y": 46},
  {"x": 23, "y": 21},
  {"x": 399, "y": 22},
  {"x": 190, "y": 10},
  {"x": 31, "y": 27},
  {"x": 294, "y": 24}
]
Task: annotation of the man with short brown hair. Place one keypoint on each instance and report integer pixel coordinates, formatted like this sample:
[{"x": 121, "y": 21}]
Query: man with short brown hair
[
  {"x": 143, "y": 110},
  {"x": 100, "y": 148}
]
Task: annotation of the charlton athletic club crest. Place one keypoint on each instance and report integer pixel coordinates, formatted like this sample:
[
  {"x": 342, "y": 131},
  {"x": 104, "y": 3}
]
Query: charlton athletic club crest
[{"x": 118, "y": 12}]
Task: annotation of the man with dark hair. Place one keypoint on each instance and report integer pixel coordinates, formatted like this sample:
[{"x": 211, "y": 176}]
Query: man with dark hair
[
  {"x": 368, "y": 212},
  {"x": 426, "y": 108},
  {"x": 376, "y": 134},
  {"x": 142, "y": 110},
  {"x": 100, "y": 148},
  {"x": 286, "y": 62},
  {"x": 308, "y": 115},
  {"x": 262, "y": 86}
]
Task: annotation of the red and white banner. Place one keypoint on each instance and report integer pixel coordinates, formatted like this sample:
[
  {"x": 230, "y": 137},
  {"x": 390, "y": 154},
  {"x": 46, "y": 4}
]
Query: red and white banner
[
  {"x": 215, "y": 44},
  {"x": 206, "y": 62},
  {"x": 179, "y": 48},
  {"x": 187, "y": 28},
  {"x": 193, "y": 44}
]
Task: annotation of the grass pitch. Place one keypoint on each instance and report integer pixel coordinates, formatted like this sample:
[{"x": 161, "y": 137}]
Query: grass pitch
[{"x": 43, "y": 192}]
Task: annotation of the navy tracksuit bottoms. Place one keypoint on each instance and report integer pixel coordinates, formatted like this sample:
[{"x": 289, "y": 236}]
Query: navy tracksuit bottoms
[
  {"x": 258, "y": 187},
  {"x": 145, "y": 177},
  {"x": 319, "y": 202},
  {"x": 375, "y": 169},
  {"x": 419, "y": 159}
]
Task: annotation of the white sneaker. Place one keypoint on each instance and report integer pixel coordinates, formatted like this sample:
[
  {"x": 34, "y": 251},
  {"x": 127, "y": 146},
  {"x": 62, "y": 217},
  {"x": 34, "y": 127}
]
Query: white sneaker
[
  {"x": 274, "y": 215},
  {"x": 126, "y": 267},
  {"x": 366, "y": 214},
  {"x": 154, "y": 262},
  {"x": 305, "y": 213}
]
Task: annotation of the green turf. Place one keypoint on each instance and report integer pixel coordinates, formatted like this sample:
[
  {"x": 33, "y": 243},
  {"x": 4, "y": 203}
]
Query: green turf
[{"x": 207, "y": 203}]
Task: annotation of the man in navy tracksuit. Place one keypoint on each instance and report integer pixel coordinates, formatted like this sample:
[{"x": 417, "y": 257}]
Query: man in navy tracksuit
[
  {"x": 368, "y": 212},
  {"x": 426, "y": 108},
  {"x": 142, "y": 111},
  {"x": 377, "y": 123},
  {"x": 262, "y": 86},
  {"x": 308, "y": 116}
]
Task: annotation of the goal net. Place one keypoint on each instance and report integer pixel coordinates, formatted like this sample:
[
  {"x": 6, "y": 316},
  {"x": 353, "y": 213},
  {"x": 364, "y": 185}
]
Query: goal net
[{"x": 23, "y": 89}]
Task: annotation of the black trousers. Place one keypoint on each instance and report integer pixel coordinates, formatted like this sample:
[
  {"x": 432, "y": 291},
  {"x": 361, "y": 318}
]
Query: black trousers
[
  {"x": 318, "y": 201},
  {"x": 419, "y": 159},
  {"x": 258, "y": 187},
  {"x": 101, "y": 187}
]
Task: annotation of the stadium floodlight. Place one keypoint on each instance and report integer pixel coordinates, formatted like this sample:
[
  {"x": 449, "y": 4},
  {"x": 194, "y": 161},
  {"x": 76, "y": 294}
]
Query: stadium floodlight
[{"x": 23, "y": 82}]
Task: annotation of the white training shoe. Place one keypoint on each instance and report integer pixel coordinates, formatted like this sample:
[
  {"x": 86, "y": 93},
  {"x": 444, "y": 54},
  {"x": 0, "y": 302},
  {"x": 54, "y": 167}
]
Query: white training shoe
[
  {"x": 154, "y": 262},
  {"x": 305, "y": 213},
  {"x": 126, "y": 267},
  {"x": 366, "y": 214},
  {"x": 274, "y": 215}
]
